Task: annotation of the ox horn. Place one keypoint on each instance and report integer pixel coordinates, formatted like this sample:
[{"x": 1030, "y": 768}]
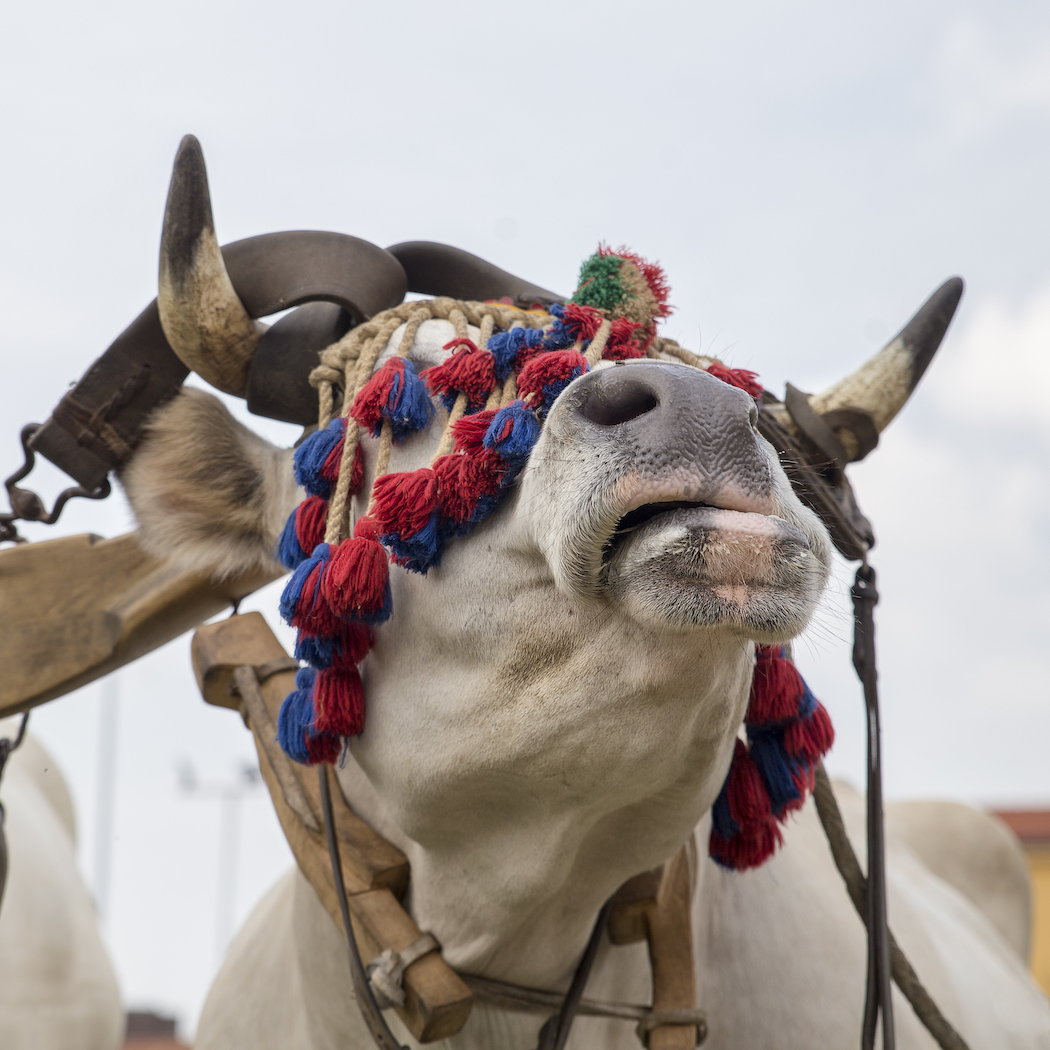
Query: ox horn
[
  {"x": 203, "y": 319},
  {"x": 881, "y": 386}
]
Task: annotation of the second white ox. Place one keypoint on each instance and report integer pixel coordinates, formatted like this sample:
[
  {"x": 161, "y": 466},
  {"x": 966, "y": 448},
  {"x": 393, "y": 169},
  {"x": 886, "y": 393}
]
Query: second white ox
[{"x": 554, "y": 709}]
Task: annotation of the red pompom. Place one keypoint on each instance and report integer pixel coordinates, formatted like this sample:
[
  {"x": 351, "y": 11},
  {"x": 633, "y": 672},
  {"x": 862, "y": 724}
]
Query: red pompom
[
  {"x": 468, "y": 432},
  {"x": 405, "y": 501},
  {"x": 652, "y": 272},
  {"x": 355, "y": 581},
  {"x": 738, "y": 377},
  {"x": 809, "y": 739},
  {"x": 464, "y": 480},
  {"x": 469, "y": 370},
  {"x": 776, "y": 688},
  {"x": 339, "y": 701},
  {"x": 310, "y": 518}
]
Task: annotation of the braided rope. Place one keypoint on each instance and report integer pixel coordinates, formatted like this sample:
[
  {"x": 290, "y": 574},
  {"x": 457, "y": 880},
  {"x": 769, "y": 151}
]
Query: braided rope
[{"x": 349, "y": 362}]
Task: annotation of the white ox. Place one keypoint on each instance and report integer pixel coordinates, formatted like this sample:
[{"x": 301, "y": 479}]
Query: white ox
[
  {"x": 57, "y": 987},
  {"x": 548, "y": 716}
]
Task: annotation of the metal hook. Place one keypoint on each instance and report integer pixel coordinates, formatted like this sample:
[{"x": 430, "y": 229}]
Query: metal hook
[{"x": 27, "y": 505}]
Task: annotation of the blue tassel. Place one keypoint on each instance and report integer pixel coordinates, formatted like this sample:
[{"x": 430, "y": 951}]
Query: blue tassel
[
  {"x": 420, "y": 552},
  {"x": 409, "y": 407},
  {"x": 552, "y": 390},
  {"x": 310, "y": 457},
  {"x": 808, "y": 704},
  {"x": 513, "y": 433},
  {"x": 296, "y": 717},
  {"x": 317, "y": 650},
  {"x": 723, "y": 822},
  {"x": 289, "y": 553},
  {"x": 293, "y": 589},
  {"x": 777, "y": 768}
]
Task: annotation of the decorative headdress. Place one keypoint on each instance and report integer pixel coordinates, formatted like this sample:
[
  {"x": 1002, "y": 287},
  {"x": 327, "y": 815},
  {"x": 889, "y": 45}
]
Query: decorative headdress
[{"x": 496, "y": 393}]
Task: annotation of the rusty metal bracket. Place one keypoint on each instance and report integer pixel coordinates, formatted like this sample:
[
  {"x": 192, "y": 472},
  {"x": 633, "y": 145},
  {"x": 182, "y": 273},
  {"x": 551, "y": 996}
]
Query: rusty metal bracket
[{"x": 27, "y": 505}]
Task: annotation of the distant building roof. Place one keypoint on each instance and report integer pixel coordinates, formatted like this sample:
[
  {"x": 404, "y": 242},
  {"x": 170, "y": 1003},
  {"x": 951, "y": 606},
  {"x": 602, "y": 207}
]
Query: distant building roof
[
  {"x": 1031, "y": 826},
  {"x": 150, "y": 1031}
]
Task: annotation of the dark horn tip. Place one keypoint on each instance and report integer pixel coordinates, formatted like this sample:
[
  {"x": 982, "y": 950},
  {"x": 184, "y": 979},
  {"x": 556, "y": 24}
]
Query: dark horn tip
[
  {"x": 923, "y": 334},
  {"x": 188, "y": 210}
]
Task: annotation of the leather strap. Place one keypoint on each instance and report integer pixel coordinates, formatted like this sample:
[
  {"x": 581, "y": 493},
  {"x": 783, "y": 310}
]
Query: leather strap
[{"x": 830, "y": 499}]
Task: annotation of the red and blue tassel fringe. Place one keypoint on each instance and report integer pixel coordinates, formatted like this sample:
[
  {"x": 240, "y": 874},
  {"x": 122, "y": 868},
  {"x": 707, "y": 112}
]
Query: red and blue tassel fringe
[{"x": 788, "y": 732}]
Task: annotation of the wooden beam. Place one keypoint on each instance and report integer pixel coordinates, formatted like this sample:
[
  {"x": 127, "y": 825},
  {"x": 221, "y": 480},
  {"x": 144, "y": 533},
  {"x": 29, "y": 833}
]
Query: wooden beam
[{"x": 75, "y": 608}]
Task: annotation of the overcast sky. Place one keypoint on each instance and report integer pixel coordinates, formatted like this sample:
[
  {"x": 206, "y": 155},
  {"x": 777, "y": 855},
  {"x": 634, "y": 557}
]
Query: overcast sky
[{"x": 806, "y": 173}]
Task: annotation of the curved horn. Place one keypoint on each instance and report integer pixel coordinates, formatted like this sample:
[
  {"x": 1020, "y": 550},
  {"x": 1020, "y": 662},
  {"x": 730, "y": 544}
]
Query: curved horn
[
  {"x": 883, "y": 384},
  {"x": 440, "y": 269},
  {"x": 203, "y": 319}
]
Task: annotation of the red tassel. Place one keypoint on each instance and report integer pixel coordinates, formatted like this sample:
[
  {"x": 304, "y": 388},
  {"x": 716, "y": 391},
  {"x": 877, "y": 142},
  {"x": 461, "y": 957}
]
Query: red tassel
[
  {"x": 808, "y": 739},
  {"x": 468, "y": 432},
  {"x": 623, "y": 345},
  {"x": 355, "y": 582},
  {"x": 582, "y": 321},
  {"x": 469, "y": 370},
  {"x": 339, "y": 702},
  {"x": 312, "y": 613},
  {"x": 738, "y": 377},
  {"x": 367, "y": 408},
  {"x": 549, "y": 368},
  {"x": 776, "y": 688},
  {"x": 322, "y": 748},
  {"x": 310, "y": 517},
  {"x": 330, "y": 468},
  {"x": 405, "y": 501},
  {"x": 746, "y": 792},
  {"x": 464, "y": 479},
  {"x": 749, "y": 849}
]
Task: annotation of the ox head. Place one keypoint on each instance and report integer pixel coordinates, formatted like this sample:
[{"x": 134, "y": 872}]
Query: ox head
[
  {"x": 651, "y": 535},
  {"x": 651, "y": 490}
]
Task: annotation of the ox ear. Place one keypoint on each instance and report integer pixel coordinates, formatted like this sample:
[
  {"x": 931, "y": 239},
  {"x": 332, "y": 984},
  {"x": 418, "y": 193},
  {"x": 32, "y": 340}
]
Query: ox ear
[
  {"x": 846, "y": 419},
  {"x": 203, "y": 319}
]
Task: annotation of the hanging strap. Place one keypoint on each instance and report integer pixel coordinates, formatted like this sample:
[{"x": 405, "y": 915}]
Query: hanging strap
[{"x": 878, "y": 1000}]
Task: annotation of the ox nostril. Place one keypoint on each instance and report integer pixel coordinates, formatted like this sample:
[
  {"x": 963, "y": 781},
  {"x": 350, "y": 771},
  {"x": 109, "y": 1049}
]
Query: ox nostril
[{"x": 609, "y": 404}]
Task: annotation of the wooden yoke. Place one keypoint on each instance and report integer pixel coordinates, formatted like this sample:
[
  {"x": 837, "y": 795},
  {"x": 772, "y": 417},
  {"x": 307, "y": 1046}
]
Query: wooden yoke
[
  {"x": 239, "y": 663},
  {"x": 656, "y": 906},
  {"x": 75, "y": 608}
]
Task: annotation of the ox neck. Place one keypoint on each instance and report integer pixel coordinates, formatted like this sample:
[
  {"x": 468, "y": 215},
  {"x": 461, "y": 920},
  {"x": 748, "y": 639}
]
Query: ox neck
[{"x": 515, "y": 840}]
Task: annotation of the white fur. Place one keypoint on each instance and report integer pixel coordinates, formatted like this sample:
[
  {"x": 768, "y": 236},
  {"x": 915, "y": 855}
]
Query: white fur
[
  {"x": 57, "y": 987},
  {"x": 542, "y": 726}
]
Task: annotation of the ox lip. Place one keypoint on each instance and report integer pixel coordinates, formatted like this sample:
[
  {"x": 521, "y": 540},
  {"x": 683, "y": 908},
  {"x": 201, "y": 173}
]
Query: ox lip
[{"x": 776, "y": 530}]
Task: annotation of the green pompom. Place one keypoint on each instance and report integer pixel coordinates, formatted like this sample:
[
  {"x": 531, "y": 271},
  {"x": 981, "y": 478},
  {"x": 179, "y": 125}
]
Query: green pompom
[{"x": 599, "y": 284}]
